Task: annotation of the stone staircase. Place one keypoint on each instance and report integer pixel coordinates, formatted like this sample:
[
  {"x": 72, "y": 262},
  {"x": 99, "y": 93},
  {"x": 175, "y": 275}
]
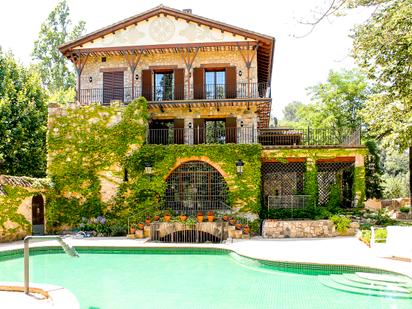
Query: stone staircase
[{"x": 383, "y": 285}]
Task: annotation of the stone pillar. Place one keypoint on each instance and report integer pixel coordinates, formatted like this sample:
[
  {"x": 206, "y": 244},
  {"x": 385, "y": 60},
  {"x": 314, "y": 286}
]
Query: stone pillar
[
  {"x": 188, "y": 131},
  {"x": 359, "y": 181}
]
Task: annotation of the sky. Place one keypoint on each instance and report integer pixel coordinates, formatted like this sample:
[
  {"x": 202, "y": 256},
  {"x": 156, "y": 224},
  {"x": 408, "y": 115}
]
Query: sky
[{"x": 299, "y": 62}]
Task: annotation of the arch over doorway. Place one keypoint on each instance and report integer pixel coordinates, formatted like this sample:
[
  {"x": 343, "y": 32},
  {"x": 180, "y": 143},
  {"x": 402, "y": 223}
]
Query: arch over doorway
[
  {"x": 196, "y": 186},
  {"x": 37, "y": 215}
]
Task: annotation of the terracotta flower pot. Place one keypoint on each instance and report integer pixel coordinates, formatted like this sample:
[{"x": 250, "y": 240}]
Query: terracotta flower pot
[
  {"x": 232, "y": 221},
  {"x": 200, "y": 218},
  {"x": 156, "y": 218},
  {"x": 183, "y": 217},
  {"x": 148, "y": 221},
  {"x": 210, "y": 218},
  {"x": 238, "y": 226},
  {"x": 226, "y": 218},
  {"x": 167, "y": 218},
  {"x": 140, "y": 226},
  {"x": 132, "y": 230},
  {"x": 246, "y": 229}
]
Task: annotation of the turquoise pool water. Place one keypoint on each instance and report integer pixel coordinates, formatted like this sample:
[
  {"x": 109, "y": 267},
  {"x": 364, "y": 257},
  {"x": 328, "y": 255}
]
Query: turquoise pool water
[{"x": 189, "y": 279}]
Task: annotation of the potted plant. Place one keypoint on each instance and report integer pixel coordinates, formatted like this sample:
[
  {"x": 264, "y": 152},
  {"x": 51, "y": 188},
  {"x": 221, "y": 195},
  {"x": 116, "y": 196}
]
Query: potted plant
[
  {"x": 225, "y": 218},
  {"x": 167, "y": 217},
  {"x": 139, "y": 231},
  {"x": 156, "y": 218},
  {"x": 238, "y": 226},
  {"x": 140, "y": 226},
  {"x": 132, "y": 229},
  {"x": 246, "y": 229},
  {"x": 147, "y": 221},
  {"x": 200, "y": 217},
  {"x": 210, "y": 216},
  {"x": 232, "y": 221},
  {"x": 183, "y": 217}
]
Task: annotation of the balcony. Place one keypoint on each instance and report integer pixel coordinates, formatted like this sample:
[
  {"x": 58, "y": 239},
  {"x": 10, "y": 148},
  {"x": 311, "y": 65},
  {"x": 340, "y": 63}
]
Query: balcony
[
  {"x": 248, "y": 135},
  {"x": 175, "y": 93}
]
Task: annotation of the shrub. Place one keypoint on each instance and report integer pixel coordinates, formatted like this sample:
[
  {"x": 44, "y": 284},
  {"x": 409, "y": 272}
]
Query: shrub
[
  {"x": 405, "y": 209},
  {"x": 341, "y": 223}
]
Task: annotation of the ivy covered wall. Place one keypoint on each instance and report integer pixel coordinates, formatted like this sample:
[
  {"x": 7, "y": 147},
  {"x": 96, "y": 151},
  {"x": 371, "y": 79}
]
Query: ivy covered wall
[{"x": 86, "y": 148}]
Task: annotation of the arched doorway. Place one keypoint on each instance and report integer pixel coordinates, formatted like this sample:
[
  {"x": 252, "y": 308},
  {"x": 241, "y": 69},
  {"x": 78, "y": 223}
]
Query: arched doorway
[
  {"x": 37, "y": 215},
  {"x": 196, "y": 186}
]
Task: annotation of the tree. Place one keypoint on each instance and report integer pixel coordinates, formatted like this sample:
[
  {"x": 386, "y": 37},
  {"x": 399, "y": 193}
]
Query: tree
[
  {"x": 383, "y": 48},
  {"x": 290, "y": 112},
  {"x": 373, "y": 171},
  {"x": 23, "y": 120},
  {"x": 56, "y": 30},
  {"x": 337, "y": 102}
]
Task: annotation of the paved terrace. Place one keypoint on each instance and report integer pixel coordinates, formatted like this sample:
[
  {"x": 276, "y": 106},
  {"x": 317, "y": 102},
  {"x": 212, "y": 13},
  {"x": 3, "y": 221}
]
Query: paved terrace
[{"x": 335, "y": 251}]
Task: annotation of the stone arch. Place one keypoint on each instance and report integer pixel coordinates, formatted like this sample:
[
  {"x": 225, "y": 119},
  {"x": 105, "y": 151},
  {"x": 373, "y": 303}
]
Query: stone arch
[
  {"x": 196, "y": 185},
  {"x": 37, "y": 214}
]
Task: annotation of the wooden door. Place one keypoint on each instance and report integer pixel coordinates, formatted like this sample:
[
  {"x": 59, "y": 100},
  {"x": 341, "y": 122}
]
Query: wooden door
[
  {"x": 179, "y": 90},
  {"x": 113, "y": 86},
  {"x": 37, "y": 214}
]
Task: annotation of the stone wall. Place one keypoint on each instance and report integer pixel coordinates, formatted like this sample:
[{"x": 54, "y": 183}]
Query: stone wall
[{"x": 298, "y": 229}]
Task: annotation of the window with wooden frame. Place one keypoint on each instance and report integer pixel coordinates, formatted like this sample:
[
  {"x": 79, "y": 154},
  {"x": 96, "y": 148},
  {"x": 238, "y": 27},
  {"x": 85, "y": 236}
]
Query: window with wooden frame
[
  {"x": 163, "y": 85},
  {"x": 215, "y": 82}
]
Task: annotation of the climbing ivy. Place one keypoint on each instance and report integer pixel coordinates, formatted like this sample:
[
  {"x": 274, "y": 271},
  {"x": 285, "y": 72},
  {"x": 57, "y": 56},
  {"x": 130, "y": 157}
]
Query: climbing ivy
[{"x": 83, "y": 142}]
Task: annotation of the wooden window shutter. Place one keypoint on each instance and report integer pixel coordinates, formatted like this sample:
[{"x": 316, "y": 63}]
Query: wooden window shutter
[
  {"x": 198, "y": 84},
  {"x": 179, "y": 84},
  {"x": 230, "y": 82},
  {"x": 179, "y": 128},
  {"x": 147, "y": 84},
  {"x": 231, "y": 130}
]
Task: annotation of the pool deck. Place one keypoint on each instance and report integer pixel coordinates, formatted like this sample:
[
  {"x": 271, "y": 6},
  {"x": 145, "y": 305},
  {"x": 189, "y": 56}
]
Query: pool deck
[{"x": 333, "y": 251}]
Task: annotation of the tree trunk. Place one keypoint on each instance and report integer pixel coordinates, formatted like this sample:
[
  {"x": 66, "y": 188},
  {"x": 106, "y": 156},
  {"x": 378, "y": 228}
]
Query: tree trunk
[{"x": 410, "y": 172}]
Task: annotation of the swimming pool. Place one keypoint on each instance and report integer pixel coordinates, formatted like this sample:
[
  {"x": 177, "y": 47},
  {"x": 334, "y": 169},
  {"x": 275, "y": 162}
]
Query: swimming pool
[{"x": 208, "y": 278}]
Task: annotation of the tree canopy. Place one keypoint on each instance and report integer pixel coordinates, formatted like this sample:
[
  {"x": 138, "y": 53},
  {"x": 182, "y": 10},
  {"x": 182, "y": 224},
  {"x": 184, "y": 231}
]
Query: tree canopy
[
  {"x": 23, "y": 120},
  {"x": 55, "y": 73}
]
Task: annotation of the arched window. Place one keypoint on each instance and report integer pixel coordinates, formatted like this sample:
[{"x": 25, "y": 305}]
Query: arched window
[{"x": 196, "y": 186}]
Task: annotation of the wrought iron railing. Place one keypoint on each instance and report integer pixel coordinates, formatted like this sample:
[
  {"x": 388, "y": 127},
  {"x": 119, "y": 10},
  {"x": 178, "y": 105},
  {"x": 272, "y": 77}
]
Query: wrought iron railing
[
  {"x": 289, "y": 201},
  {"x": 250, "y": 135},
  {"x": 174, "y": 92}
]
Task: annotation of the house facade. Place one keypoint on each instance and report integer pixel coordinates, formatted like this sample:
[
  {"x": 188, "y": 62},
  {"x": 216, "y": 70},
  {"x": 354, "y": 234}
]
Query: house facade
[{"x": 209, "y": 83}]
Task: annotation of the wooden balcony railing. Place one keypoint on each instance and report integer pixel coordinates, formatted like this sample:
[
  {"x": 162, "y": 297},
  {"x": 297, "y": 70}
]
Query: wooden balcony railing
[
  {"x": 173, "y": 93},
  {"x": 248, "y": 135}
]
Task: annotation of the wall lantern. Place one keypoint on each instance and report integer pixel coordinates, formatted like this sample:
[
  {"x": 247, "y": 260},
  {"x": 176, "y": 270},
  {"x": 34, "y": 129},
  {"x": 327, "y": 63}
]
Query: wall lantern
[
  {"x": 241, "y": 124},
  {"x": 190, "y": 125},
  {"x": 239, "y": 166},
  {"x": 148, "y": 168},
  {"x": 136, "y": 76},
  {"x": 240, "y": 73},
  {"x": 90, "y": 79}
]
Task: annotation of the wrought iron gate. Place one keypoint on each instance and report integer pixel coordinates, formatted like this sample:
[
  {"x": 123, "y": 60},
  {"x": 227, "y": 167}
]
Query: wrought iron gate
[{"x": 196, "y": 186}]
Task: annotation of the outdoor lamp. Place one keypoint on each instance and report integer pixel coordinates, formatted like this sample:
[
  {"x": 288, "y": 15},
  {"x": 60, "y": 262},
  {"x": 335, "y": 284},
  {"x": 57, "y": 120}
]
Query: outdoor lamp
[
  {"x": 240, "y": 73},
  {"x": 190, "y": 125},
  {"x": 241, "y": 123},
  {"x": 137, "y": 77},
  {"x": 148, "y": 168},
  {"x": 90, "y": 79},
  {"x": 239, "y": 166}
]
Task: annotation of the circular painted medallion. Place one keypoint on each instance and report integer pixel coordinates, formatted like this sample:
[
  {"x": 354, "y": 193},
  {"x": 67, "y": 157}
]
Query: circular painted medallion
[{"x": 161, "y": 29}]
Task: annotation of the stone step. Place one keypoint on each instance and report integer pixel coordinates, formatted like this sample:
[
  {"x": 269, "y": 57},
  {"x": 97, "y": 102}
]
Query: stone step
[
  {"x": 384, "y": 278},
  {"x": 368, "y": 285},
  {"x": 329, "y": 282},
  {"x": 356, "y": 278}
]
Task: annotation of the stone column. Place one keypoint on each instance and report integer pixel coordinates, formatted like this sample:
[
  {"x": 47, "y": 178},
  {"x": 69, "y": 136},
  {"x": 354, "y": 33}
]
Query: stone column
[
  {"x": 359, "y": 181},
  {"x": 188, "y": 131}
]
